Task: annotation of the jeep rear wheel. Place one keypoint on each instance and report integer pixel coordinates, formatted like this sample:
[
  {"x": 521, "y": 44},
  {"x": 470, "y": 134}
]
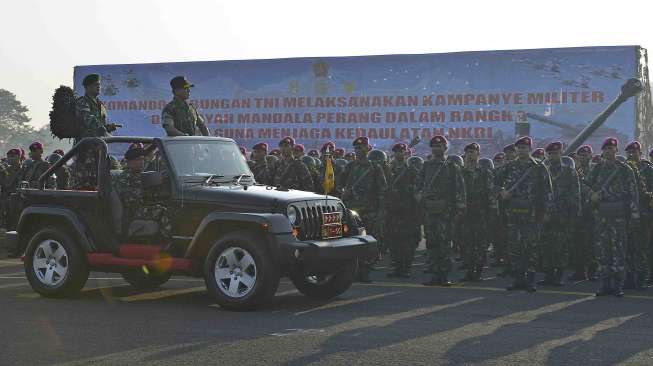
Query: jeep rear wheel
[
  {"x": 54, "y": 264},
  {"x": 239, "y": 272},
  {"x": 324, "y": 285}
]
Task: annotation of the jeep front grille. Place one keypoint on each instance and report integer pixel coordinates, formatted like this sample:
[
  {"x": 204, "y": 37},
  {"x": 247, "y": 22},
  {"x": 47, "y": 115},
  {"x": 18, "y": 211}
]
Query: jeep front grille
[{"x": 310, "y": 218}]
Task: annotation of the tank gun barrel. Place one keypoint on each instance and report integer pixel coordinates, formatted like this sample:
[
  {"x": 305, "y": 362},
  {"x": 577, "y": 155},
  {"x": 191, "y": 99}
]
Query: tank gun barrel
[
  {"x": 553, "y": 122},
  {"x": 631, "y": 88}
]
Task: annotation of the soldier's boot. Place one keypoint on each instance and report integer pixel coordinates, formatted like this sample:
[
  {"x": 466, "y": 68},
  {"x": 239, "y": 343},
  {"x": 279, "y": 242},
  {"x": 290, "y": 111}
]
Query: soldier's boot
[
  {"x": 629, "y": 282},
  {"x": 618, "y": 285},
  {"x": 530, "y": 282},
  {"x": 444, "y": 280},
  {"x": 518, "y": 282},
  {"x": 548, "y": 278},
  {"x": 606, "y": 288},
  {"x": 558, "y": 277}
]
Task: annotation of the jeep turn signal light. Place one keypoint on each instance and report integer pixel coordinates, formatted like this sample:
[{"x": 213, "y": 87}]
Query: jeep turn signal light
[
  {"x": 295, "y": 232},
  {"x": 345, "y": 229}
]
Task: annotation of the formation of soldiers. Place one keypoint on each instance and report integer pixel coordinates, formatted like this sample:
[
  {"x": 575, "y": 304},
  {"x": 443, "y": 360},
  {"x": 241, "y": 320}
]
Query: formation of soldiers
[{"x": 526, "y": 210}]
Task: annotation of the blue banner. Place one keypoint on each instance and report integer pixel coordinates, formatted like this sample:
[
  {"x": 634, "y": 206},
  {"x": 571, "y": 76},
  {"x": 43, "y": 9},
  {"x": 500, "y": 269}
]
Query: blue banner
[{"x": 487, "y": 96}]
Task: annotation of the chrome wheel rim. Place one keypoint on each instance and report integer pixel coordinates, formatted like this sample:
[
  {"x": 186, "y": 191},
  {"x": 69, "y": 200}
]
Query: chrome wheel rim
[
  {"x": 50, "y": 263},
  {"x": 235, "y": 272}
]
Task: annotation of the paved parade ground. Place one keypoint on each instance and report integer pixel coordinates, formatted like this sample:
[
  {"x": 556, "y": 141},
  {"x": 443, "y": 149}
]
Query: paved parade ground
[{"x": 387, "y": 322}]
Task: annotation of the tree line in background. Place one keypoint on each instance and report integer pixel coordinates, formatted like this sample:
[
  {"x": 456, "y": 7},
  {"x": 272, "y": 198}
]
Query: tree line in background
[{"x": 15, "y": 130}]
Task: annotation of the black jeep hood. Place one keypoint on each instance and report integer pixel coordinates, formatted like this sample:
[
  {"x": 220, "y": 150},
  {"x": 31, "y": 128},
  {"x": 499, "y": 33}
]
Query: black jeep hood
[{"x": 264, "y": 197}]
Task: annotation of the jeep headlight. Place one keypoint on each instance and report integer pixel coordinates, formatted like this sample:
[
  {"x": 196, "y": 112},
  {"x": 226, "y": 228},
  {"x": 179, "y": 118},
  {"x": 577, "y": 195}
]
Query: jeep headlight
[{"x": 292, "y": 215}]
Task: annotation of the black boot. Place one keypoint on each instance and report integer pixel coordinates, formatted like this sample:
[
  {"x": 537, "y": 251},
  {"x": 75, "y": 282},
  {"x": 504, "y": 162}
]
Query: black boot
[
  {"x": 518, "y": 283},
  {"x": 618, "y": 285},
  {"x": 530, "y": 282},
  {"x": 557, "y": 278},
  {"x": 606, "y": 288},
  {"x": 548, "y": 278},
  {"x": 444, "y": 281}
]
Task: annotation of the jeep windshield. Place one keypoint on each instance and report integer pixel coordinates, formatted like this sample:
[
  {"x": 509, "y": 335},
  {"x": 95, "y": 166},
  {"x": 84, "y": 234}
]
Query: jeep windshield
[{"x": 210, "y": 161}]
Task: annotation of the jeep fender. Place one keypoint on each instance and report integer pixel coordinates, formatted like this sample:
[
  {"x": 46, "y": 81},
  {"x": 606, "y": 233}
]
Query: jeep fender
[
  {"x": 270, "y": 223},
  {"x": 69, "y": 216}
]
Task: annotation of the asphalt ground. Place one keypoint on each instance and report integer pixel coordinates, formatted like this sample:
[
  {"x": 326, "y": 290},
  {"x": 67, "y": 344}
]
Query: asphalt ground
[{"x": 388, "y": 322}]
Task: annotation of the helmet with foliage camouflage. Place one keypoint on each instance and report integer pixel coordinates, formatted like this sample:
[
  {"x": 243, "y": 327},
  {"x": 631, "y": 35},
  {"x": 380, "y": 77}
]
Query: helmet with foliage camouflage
[
  {"x": 378, "y": 156},
  {"x": 486, "y": 164},
  {"x": 456, "y": 159},
  {"x": 415, "y": 162}
]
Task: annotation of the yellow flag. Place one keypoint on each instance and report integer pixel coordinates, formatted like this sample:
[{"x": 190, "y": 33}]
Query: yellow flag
[{"x": 329, "y": 177}]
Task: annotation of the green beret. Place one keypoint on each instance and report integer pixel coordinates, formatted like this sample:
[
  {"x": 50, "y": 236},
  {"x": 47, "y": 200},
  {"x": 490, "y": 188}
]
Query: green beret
[{"x": 90, "y": 79}]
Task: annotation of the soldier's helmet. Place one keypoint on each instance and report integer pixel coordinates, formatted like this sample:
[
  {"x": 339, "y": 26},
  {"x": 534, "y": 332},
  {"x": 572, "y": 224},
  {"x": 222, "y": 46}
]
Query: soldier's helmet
[
  {"x": 318, "y": 162},
  {"x": 415, "y": 162},
  {"x": 53, "y": 158},
  {"x": 486, "y": 164},
  {"x": 568, "y": 162},
  {"x": 342, "y": 163},
  {"x": 621, "y": 158},
  {"x": 378, "y": 156},
  {"x": 271, "y": 159},
  {"x": 309, "y": 162},
  {"x": 456, "y": 159}
]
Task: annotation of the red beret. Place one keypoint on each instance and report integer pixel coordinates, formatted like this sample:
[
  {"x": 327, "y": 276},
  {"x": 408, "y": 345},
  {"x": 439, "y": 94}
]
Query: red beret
[
  {"x": 13, "y": 152},
  {"x": 329, "y": 145},
  {"x": 35, "y": 145},
  {"x": 585, "y": 149},
  {"x": 261, "y": 146},
  {"x": 510, "y": 147},
  {"x": 610, "y": 141},
  {"x": 399, "y": 146},
  {"x": 287, "y": 140},
  {"x": 298, "y": 148},
  {"x": 59, "y": 151},
  {"x": 524, "y": 141},
  {"x": 313, "y": 152},
  {"x": 361, "y": 141},
  {"x": 538, "y": 152},
  {"x": 339, "y": 151},
  {"x": 438, "y": 139},
  {"x": 650, "y": 153},
  {"x": 473, "y": 146},
  {"x": 634, "y": 145},
  {"x": 498, "y": 156},
  {"x": 555, "y": 145}
]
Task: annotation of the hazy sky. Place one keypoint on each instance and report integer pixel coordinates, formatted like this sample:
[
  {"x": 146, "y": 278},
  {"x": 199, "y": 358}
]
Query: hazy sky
[{"x": 42, "y": 40}]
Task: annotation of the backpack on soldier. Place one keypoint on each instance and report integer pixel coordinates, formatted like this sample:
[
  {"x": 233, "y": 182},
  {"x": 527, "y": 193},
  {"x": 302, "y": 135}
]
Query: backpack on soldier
[{"x": 64, "y": 123}]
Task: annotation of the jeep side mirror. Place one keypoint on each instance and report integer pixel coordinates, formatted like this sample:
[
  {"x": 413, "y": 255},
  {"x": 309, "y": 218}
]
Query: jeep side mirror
[{"x": 151, "y": 179}]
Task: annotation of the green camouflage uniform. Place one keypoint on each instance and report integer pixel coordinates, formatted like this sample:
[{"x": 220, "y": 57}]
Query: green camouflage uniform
[
  {"x": 530, "y": 199},
  {"x": 32, "y": 170},
  {"x": 129, "y": 187},
  {"x": 616, "y": 205},
  {"x": 401, "y": 206},
  {"x": 291, "y": 173},
  {"x": 261, "y": 170},
  {"x": 481, "y": 205},
  {"x": 646, "y": 207},
  {"x": 582, "y": 247},
  {"x": 637, "y": 249},
  {"x": 92, "y": 115},
  {"x": 363, "y": 185},
  {"x": 441, "y": 196},
  {"x": 183, "y": 116},
  {"x": 9, "y": 179},
  {"x": 63, "y": 178},
  {"x": 558, "y": 231}
]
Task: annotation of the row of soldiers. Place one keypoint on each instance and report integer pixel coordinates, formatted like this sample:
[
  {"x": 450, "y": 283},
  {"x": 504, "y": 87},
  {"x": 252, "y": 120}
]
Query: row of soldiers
[{"x": 537, "y": 209}]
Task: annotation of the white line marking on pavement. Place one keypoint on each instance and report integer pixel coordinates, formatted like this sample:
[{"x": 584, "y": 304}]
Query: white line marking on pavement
[
  {"x": 347, "y": 302},
  {"x": 161, "y": 294},
  {"x": 13, "y": 285}
]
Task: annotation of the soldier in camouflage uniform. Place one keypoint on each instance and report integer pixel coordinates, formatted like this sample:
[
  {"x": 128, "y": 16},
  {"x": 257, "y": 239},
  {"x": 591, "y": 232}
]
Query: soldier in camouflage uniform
[
  {"x": 441, "y": 198},
  {"x": 582, "y": 256},
  {"x": 400, "y": 205},
  {"x": 524, "y": 187},
  {"x": 502, "y": 257},
  {"x": 298, "y": 151},
  {"x": 179, "y": 117},
  {"x": 481, "y": 205},
  {"x": 62, "y": 174},
  {"x": 259, "y": 165},
  {"x": 558, "y": 231},
  {"x": 289, "y": 172},
  {"x": 92, "y": 115},
  {"x": 129, "y": 188},
  {"x": 637, "y": 253},
  {"x": 615, "y": 206},
  {"x": 363, "y": 185},
  {"x": 31, "y": 172},
  {"x": 9, "y": 177}
]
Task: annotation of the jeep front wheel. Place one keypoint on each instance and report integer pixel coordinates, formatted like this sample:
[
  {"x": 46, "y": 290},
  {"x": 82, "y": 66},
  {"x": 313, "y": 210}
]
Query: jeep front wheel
[
  {"x": 54, "y": 264},
  {"x": 239, "y": 272},
  {"x": 324, "y": 285}
]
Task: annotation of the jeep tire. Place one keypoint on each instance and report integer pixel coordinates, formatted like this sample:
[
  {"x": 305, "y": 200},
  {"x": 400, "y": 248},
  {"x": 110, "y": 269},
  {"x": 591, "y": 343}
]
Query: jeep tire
[{"x": 324, "y": 286}]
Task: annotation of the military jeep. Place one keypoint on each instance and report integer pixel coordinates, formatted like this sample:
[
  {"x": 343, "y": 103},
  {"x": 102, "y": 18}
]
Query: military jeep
[{"x": 240, "y": 236}]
